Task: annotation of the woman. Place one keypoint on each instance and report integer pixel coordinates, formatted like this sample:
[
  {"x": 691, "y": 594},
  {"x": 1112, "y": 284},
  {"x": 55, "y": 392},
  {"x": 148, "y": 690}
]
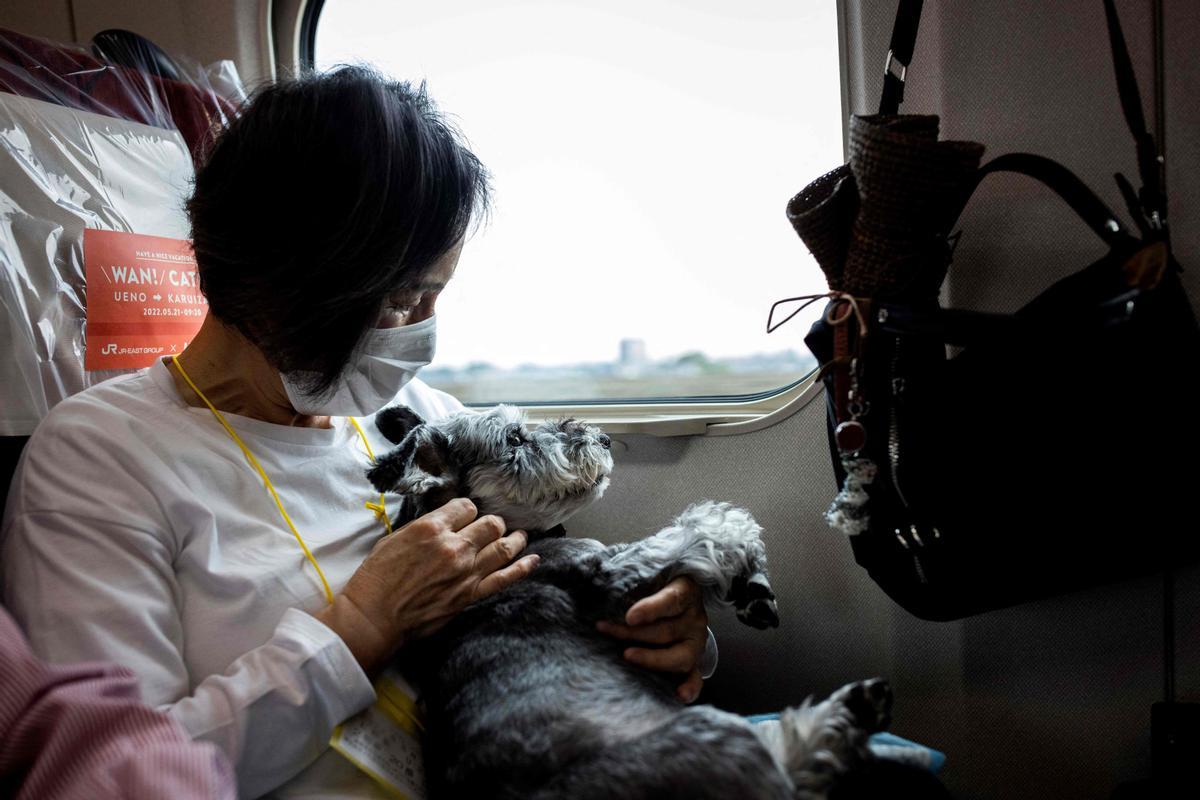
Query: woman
[{"x": 208, "y": 522}]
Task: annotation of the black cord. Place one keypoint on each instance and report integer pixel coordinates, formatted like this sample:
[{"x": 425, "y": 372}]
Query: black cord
[
  {"x": 1169, "y": 635},
  {"x": 1160, "y": 137},
  {"x": 1160, "y": 91}
]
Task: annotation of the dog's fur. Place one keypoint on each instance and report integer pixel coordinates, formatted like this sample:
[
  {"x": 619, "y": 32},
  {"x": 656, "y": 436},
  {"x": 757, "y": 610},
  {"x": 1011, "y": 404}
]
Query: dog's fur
[{"x": 525, "y": 699}]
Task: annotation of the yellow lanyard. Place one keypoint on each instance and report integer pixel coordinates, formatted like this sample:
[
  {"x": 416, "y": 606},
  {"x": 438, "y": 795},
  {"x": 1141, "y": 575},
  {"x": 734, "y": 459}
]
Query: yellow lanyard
[{"x": 379, "y": 508}]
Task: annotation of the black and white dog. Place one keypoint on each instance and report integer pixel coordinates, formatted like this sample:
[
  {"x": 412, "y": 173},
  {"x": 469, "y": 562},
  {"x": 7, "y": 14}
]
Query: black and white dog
[{"x": 525, "y": 699}]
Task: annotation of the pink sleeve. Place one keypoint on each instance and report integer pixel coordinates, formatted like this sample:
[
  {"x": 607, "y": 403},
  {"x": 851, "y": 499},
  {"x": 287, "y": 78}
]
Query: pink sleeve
[{"x": 81, "y": 731}]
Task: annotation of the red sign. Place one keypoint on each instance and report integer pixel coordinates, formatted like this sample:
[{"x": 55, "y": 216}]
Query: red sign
[{"x": 143, "y": 298}]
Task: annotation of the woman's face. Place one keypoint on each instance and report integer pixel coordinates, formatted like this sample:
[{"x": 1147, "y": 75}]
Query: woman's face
[{"x": 416, "y": 304}]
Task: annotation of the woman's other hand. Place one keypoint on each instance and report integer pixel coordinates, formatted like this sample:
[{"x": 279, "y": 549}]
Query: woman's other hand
[
  {"x": 672, "y": 619},
  {"x": 417, "y": 579}
]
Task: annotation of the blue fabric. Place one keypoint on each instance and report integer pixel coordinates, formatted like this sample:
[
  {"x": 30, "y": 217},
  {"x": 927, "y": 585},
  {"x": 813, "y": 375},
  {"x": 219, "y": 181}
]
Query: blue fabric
[{"x": 888, "y": 745}]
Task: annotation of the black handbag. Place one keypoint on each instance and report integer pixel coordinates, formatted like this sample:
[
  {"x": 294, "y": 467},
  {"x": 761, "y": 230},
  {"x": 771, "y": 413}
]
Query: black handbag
[{"x": 1055, "y": 450}]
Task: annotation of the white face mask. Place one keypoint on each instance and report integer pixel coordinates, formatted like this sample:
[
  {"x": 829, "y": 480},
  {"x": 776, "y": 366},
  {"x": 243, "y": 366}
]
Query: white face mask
[{"x": 388, "y": 359}]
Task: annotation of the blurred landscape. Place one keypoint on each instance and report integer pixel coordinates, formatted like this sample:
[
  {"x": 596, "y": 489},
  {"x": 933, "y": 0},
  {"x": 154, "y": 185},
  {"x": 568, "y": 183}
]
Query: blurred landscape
[{"x": 631, "y": 376}]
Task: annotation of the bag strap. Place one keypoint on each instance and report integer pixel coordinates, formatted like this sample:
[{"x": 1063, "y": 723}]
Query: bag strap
[
  {"x": 900, "y": 53},
  {"x": 1150, "y": 203},
  {"x": 1060, "y": 180}
]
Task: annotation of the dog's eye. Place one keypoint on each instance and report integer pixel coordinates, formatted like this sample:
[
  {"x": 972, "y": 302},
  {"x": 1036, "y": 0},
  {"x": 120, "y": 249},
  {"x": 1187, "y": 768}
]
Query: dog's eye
[{"x": 515, "y": 439}]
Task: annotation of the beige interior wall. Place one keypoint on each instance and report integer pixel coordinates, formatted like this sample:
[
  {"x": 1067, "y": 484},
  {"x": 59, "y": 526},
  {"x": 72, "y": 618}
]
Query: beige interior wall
[
  {"x": 285, "y": 23},
  {"x": 50, "y": 19}
]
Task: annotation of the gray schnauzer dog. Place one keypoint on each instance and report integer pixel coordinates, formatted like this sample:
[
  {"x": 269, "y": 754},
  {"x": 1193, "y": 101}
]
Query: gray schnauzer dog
[{"x": 524, "y": 698}]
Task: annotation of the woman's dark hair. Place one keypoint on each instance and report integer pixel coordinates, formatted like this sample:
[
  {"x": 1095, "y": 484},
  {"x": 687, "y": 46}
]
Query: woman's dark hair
[{"x": 329, "y": 192}]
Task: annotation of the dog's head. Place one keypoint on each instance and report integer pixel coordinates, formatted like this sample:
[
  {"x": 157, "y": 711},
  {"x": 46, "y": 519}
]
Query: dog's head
[{"x": 532, "y": 477}]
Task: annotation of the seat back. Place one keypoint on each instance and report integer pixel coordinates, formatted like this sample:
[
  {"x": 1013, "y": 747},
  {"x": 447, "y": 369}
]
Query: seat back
[{"x": 83, "y": 145}]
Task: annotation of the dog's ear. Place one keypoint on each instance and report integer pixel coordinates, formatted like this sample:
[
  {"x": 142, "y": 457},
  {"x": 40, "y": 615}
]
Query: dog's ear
[
  {"x": 396, "y": 422},
  {"x": 423, "y": 469}
]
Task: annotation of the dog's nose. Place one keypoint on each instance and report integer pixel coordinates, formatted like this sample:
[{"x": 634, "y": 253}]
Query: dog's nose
[{"x": 605, "y": 442}]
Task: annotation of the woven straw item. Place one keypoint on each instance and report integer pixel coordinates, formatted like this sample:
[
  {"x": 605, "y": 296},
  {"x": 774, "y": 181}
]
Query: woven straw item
[
  {"x": 910, "y": 189},
  {"x": 822, "y": 213},
  {"x": 878, "y": 225}
]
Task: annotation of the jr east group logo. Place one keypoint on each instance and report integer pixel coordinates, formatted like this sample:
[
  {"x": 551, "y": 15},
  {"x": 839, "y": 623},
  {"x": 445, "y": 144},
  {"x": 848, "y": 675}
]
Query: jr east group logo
[
  {"x": 143, "y": 298},
  {"x": 112, "y": 348}
]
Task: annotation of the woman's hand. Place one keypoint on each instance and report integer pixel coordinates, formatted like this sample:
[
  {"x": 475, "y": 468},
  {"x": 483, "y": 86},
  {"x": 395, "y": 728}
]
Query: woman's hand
[
  {"x": 417, "y": 579},
  {"x": 674, "y": 619}
]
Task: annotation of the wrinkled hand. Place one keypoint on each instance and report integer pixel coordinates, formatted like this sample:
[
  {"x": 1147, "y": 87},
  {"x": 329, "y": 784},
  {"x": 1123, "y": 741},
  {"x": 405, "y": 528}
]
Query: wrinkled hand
[
  {"x": 418, "y": 578},
  {"x": 674, "y": 620}
]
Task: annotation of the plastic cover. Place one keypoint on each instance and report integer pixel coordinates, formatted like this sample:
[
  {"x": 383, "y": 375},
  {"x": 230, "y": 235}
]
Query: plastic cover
[{"x": 84, "y": 143}]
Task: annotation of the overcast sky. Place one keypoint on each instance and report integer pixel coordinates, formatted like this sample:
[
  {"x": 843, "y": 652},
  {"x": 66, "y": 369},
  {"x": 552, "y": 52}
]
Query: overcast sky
[{"x": 642, "y": 153}]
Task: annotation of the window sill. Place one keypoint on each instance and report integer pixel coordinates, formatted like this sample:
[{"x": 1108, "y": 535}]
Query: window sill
[{"x": 696, "y": 418}]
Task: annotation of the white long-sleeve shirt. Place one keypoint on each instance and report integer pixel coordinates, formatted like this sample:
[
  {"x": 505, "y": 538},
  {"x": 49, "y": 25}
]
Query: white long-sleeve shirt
[{"x": 136, "y": 532}]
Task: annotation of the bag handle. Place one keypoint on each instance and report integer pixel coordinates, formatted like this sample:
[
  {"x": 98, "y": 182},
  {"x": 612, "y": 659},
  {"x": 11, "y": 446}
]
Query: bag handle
[
  {"x": 1064, "y": 183},
  {"x": 965, "y": 328}
]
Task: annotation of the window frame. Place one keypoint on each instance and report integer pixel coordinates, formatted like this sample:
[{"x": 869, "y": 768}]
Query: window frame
[
  {"x": 716, "y": 415},
  {"x": 307, "y": 33}
]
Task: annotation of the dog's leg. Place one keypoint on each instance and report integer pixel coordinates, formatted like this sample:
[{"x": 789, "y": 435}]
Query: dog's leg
[
  {"x": 717, "y": 545},
  {"x": 700, "y": 754},
  {"x": 396, "y": 422},
  {"x": 816, "y": 743}
]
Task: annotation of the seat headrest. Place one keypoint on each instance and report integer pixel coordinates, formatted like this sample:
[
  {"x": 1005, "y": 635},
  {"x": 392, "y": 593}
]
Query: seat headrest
[{"x": 70, "y": 76}]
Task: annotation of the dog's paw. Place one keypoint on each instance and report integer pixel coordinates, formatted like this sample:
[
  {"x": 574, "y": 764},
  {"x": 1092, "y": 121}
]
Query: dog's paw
[
  {"x": 760, "y": 614},
  {"x": 869, "y": 703},
  {"x": 754, "y": 601},
  {"x": 386, "y": 474},
  {"x": 821, "y": 743}
]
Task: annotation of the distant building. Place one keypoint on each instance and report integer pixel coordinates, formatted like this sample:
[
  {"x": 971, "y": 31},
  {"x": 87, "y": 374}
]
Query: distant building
[{"x": 633, "y": 353}]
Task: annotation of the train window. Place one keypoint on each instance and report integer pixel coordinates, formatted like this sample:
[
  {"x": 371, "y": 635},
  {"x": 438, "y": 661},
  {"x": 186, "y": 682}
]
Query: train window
[{"x": 642, "y": 154}]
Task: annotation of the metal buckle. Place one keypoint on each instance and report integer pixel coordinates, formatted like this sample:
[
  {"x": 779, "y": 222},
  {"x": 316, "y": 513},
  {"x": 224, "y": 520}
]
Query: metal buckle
[{"x": 895, "y": 67}]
